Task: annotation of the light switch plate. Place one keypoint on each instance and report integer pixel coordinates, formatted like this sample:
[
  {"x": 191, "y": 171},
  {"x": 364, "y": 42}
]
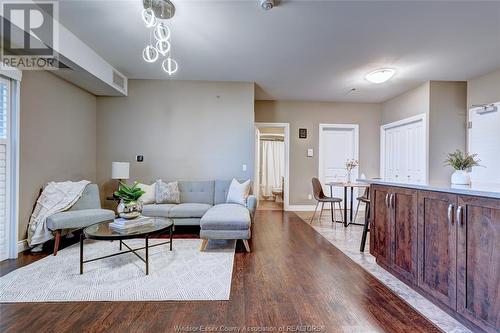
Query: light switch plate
[
  {"x": 244, "y": 167},
  {"x": 310, "y": 152}
]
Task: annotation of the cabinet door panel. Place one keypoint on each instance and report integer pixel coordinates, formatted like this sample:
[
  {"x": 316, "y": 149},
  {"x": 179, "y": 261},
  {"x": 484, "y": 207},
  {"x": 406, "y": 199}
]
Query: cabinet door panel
[
  {"x": 405, "y": 232},
  {"x": 437, "y": 246},
  {"x": 380, "y": 228},
  {"x": 478, "y": 261}
]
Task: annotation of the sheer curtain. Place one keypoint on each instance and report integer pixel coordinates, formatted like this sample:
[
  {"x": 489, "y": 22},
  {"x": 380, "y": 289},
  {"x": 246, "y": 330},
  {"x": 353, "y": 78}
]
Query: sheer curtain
[{"x": 272, "y": 166}]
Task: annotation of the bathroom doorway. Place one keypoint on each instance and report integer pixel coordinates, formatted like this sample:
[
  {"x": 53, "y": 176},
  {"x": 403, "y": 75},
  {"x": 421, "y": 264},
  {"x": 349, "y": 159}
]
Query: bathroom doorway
[{"x": 271, "y": 179}]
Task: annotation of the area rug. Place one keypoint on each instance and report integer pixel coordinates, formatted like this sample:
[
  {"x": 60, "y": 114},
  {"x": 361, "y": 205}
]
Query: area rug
[{"x": 182, "y": 274}]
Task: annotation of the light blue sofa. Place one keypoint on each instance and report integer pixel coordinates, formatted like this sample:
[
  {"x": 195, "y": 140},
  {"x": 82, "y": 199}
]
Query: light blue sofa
[
  {"x": 203, "y": 203},
  {"x": 86, "y": 211}
]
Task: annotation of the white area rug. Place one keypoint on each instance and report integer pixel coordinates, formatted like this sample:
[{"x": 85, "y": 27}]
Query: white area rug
[{"x": 184, "y": 274}]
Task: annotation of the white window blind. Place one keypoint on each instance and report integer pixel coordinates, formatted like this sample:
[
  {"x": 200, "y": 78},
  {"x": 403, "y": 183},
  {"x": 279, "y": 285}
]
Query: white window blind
[{"x": 4, "y": 118}]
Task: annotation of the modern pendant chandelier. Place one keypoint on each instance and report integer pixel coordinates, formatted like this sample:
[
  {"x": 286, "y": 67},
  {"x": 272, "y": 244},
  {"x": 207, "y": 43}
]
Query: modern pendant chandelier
[{"x": 155, "y": 16}]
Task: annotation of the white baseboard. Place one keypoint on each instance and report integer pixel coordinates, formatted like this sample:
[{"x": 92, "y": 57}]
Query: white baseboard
[
  {"x": 301, "y": 208},
  {"x": 22, "y": 246}
]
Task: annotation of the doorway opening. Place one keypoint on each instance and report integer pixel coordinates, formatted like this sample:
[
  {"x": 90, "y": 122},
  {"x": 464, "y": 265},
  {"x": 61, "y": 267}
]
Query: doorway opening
[{"x": 271, "y": 178}]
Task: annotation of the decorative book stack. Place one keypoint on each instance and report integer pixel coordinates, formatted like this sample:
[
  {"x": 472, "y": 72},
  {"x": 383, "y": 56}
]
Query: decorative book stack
[{"x": 127, "y": 226}]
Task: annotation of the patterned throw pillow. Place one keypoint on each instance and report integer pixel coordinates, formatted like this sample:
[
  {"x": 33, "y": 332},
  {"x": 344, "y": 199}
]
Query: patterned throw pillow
[{"x": 167, "y": 193}]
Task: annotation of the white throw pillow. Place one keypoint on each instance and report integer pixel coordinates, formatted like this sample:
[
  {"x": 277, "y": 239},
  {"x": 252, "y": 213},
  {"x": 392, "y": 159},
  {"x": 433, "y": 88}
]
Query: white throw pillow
[
  {"x": 148, "y": 197},
  {"x": 167, "y": 193},
  {"x": 238, "y": 193}
]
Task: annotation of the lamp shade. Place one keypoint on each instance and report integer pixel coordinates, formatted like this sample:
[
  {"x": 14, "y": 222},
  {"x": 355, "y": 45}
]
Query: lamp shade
[{"x": 120, "y": 170}]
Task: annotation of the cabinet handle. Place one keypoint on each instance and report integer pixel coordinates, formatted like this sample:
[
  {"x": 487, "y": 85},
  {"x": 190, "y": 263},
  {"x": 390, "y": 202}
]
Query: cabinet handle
[
  {"x": 387, "y": 200},
  {"x": 391, "y": 201},
  {"x": 460, "y": 221},
  {"x": 450, "y": 212}
]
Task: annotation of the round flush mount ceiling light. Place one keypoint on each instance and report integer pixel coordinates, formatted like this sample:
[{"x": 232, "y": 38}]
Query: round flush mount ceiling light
[{"x": 380, "y": 75}]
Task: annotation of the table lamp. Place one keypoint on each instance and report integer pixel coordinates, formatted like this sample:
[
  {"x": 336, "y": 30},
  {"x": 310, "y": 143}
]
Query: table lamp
[{"x": 120, "y": 170}]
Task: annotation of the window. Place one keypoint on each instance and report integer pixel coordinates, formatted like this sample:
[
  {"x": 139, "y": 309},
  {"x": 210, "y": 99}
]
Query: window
[{"x": 4, "y": 167}]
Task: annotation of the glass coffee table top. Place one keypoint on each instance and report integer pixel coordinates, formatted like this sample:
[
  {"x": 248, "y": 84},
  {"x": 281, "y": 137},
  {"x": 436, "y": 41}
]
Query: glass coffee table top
[{"x": 103, "y": 231}]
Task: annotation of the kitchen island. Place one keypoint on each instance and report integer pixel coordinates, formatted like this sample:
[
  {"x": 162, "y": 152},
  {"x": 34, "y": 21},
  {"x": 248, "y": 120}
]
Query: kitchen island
[{"x": 443, "y": 241}]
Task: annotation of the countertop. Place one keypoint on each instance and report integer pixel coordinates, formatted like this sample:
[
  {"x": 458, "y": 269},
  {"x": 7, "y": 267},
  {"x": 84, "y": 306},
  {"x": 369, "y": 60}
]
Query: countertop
[{"x": 488, "y": 190}]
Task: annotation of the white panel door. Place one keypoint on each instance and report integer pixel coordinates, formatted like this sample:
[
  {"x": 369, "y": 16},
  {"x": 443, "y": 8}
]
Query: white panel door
[
  {"x": 405, "y": 154},
  {"x": 337, "y": 146},
  {"x": 484, "y": 140},
  {"x": 4, "y": 169}
]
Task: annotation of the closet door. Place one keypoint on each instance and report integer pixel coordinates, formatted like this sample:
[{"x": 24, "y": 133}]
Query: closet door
[{"x": 396, "y": 153}]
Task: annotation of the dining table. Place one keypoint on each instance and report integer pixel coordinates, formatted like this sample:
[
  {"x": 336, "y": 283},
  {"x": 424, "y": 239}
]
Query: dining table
[{"x": 347, "y": 186}]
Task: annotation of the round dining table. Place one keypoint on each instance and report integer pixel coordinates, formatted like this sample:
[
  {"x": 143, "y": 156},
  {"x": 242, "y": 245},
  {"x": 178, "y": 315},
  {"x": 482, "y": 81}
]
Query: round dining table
[{"x": 347, "y": 186}]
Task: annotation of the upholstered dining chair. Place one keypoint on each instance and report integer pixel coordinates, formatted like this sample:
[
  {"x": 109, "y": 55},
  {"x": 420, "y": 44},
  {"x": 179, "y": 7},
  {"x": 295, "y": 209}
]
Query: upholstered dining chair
[{"x": 321, "y": 198}]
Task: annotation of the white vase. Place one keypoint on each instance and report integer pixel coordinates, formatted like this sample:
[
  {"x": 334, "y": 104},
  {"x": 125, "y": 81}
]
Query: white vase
[{"x": 460, "y": 177}]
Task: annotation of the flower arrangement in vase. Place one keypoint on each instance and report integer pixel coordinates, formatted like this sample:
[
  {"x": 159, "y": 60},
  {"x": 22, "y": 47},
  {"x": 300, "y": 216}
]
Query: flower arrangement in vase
[
  {"x": 461, "y": 162},
  {"x": 130, "y": 206},
  {"x": 350, "y": 165}
]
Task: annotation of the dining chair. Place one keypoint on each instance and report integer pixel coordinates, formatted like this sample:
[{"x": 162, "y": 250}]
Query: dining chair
[
  {"x": 320, "y": 197},
  {"x": 365, "y": 198}
]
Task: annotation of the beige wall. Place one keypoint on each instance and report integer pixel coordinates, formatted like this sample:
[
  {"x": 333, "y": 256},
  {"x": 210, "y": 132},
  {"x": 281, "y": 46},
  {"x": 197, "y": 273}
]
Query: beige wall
[
  {"x": 184, "y": 129},
  {"x": 484, "y": 89},
  {"x": 447, "y": 125},
  {"x": 57, "y": 138},
  {"x": 408, "y": 104},
  {"x": 309, "y": 115}
]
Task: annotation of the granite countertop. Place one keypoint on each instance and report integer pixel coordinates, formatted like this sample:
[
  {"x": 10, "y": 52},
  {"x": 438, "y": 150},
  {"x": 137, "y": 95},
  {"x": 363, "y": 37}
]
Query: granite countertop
[{"x": 488, "y": 190}]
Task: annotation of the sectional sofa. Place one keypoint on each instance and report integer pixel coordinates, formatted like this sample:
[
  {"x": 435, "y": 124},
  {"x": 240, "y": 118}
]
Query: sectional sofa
[{"x": 203, "y": 203}]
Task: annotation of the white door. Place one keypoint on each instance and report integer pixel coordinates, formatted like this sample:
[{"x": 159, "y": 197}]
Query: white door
[
  {"x": 404, "y": 149},
  {"x": 337, "y": 144},
  {"x": 4, "y": 167},
  {"x": 484, "y": 139}
]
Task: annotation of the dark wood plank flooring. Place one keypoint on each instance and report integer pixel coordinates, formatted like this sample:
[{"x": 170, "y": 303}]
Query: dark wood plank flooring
[{"x": 293, "y": 277}]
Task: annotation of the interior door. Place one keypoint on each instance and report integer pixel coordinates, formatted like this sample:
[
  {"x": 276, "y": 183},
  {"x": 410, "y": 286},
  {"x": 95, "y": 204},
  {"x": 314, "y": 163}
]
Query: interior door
[
  {"x": 405, "y": 153},
  {"x": 337, "y": 146},
  {"x": 5, "y": 105}
]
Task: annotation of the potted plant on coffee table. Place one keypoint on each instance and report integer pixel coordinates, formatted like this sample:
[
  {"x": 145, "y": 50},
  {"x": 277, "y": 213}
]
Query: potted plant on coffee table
[{"x": 130, "y": 206}]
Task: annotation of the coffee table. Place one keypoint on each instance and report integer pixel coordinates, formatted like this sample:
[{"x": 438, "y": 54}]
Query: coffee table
[{"x": 102, "y": 231}]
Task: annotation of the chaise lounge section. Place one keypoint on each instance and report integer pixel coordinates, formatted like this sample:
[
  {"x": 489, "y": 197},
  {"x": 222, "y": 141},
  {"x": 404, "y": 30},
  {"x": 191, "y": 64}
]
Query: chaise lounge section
[{"x": 203, "y": 203}]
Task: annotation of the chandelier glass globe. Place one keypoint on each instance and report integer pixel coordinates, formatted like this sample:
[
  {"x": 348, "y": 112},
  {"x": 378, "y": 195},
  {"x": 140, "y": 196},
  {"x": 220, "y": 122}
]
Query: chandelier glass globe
[
  {"x": 163, "y": 46},
  {"x": 169, "y": 65},
  {"x": 162, "y": 32},
  {"x": 149, "y": 17},
  {"x": 150, "y": 54}
]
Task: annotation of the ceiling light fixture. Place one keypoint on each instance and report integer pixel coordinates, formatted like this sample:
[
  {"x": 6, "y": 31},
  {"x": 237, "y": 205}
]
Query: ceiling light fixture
[
  {"x": 154, "y": 15},
  {"x": 380, "y": 75}
]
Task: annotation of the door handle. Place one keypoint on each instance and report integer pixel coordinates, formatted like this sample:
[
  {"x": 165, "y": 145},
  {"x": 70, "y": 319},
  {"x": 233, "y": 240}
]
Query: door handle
[
  {"x": 450, "y": 212},
  {"x": 387, "y": 200},
  {"x": 391, "y": 201},
  {"x": 460, "y": 220}
]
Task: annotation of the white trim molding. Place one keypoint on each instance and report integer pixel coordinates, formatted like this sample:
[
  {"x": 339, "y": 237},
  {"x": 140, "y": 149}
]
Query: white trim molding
[
  {"x": 286, "y": 190},
  {"x": 22, "y": 245},
  {"x": 420, "y": 117}
]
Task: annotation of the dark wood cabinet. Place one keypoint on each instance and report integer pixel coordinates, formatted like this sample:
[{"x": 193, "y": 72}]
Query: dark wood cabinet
[
  {"x": 478, "y": 261},
  {"x": 380, "y": 228},
  {"x": 445, "y": 245},
  {"x": 394, "y": 229},
  {"x": 437, "y": 243},
  {"x": 404, "y": 210}
]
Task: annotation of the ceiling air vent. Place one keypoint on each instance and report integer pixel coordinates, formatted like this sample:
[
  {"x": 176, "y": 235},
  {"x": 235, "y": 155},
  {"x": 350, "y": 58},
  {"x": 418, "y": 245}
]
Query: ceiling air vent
[{"x": 119, "y": 80}]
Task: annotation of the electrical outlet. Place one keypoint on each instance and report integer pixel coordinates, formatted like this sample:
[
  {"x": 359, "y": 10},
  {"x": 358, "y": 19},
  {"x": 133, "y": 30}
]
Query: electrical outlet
[{"x": 309, "y": 197}]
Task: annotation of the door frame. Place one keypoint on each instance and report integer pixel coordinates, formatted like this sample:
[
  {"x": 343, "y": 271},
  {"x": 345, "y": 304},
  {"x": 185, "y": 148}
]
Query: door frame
[
  {"x": 12, "y": 191},
  {"x": 256, "y": 183},
  {"x": 354, "y": 127},
  {"x": 420, "y": 117}
]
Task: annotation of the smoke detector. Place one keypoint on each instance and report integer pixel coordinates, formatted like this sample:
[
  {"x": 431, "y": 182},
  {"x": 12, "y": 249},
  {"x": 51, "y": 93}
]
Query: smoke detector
[{"x": 267, "y": 4}]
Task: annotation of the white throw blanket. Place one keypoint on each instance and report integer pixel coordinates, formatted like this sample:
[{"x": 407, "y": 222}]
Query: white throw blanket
[{"x": 55, "y": 198}]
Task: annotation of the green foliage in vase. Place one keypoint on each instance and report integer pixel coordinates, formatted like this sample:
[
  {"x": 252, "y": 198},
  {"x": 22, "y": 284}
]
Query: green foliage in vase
[
  {"x": 459, "y": 160},
  {"x": 129, "y": 193}
]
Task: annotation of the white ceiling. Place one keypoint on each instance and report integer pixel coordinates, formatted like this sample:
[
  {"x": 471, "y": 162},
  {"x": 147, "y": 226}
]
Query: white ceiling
[{"x": 301, "y": 50}]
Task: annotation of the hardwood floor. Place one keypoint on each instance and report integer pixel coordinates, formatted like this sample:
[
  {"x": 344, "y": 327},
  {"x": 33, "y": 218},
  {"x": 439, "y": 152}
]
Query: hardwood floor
[{"x": 292, "y": 277}]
